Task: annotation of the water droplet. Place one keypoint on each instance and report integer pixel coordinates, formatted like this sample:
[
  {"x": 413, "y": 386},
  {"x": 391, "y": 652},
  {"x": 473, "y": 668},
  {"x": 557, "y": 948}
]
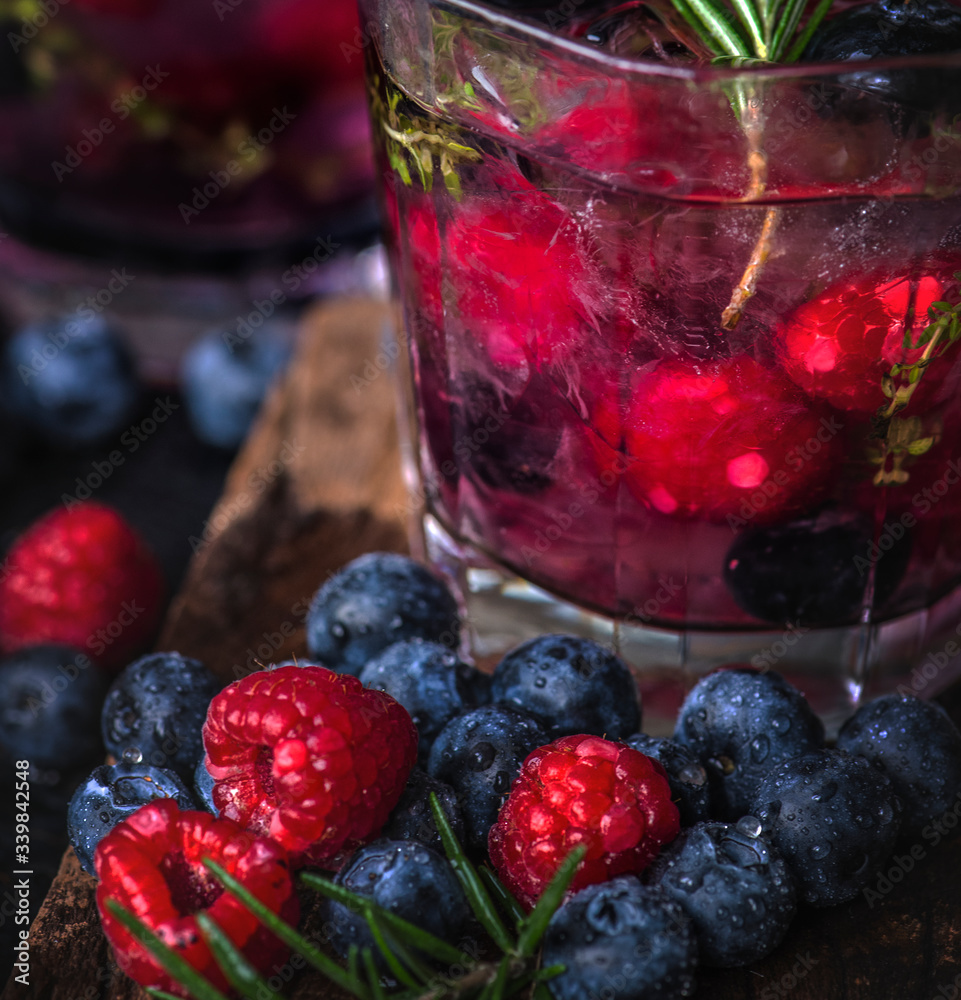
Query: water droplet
[
  {"x": 750, "y": 826},
  {"x": 502, "y": 782},
  {"x": 132, "y": 755},
  {"x": 760, "y": 746},
  {"x": 826, "y": 792},
  {"x": 820, "y": 851},
  {"x": 338, "y": 631},
  {"x": 864, "y": 820},
  {"x": 885, "y": 813},
  {"x": 737, "y": 701},
  {"x": 780, "y": 723},
  {"x": 396, "y": 622},
  {"x": 692, "y": 774},
  {"x": 105, "y": 817},
  {"x": 540, "y": 682}
]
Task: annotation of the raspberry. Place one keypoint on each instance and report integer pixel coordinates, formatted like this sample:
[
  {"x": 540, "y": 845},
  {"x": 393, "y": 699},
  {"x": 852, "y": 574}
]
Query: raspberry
[
  {"x": 308, "y": 757},
  {"x": 151, "y": 864},
  {"x": 81, "y": 577},
  {"x": 582, "y": 790},
  {"x": 839, "y": 345},
  {"x": 521, "y": 283},
  {"x": 702, "y": 438}
]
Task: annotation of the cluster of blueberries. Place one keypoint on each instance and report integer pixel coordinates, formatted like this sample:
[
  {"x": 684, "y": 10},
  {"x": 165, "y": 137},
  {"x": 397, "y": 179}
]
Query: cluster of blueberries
[
  {"x": 71, "y": 382},
  {"x": 771, "y": 818}
]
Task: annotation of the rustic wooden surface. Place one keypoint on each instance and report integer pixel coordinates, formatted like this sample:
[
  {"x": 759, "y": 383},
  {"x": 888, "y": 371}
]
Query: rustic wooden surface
[{"x": 318, "y": 483}]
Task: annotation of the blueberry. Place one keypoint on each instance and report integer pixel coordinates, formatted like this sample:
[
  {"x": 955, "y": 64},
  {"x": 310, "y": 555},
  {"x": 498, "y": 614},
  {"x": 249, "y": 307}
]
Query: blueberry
[
  {"x": 833, "y": 817},
  {"x": 814, "y": 571},
  {"x": 405, "y": 877},
  {"x": 741, "y": 724},
  {"x": 412, "y": 819},
  {"x": 733, "y": 885},
  {"x": 508, "y": 443},
  {"x": 918, "y": 748},
  {"x": 623, "y": 941},
  {"x": 378, "y": 599},
  {"x": 158, "y": 705},
  {"x": 112, "y": 793},
  {"x": 887, "y": 28},
  {"x": 572, "y": 685},
  {"x": 427, "y": 679},
  {"x": 690, "y": 788},
  {"x": 50, "y": 701},
  {"x": 71, "y": 380},
  {"x": 225, "y": 376},
  {"x": 203, "y": 787},
  {"x": 479, "y": 754}
]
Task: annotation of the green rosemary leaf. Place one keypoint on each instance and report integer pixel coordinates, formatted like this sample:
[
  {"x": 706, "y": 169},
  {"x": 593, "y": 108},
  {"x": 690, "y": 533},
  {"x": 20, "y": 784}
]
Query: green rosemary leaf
[
  {"x": 373, "y": 976},
  {"x": 748, "y": 14},
  {"x": 390, "y": 949},
  {"x": 413, "y": 935},
  {"x": 173, "y": 964},
  {"x": 532, "y": 930},
  {"x": 549, "y": 972},
  {"x": 716, "y": 22},
  {"x": 684, "y": 9},
  {"x": 160, "y": 994},
  {"x": 786, "y": 28},
  {"x": 801, "y": 42},
  {"x": 541, "y": 992},
  {"x": 241, "y": 975},
  {"x": 502, "y": 897},
  {"x": 470, "y": 881},
  {"x": 323, "y": 963}
]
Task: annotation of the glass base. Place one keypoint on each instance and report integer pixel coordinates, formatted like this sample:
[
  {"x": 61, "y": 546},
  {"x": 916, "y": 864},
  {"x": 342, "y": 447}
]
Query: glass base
[{"x": 836, "y": 668}]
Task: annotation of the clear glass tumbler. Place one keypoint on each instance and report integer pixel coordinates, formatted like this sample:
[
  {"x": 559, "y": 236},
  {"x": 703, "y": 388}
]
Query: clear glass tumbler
[{"x": 682, "y": 345}]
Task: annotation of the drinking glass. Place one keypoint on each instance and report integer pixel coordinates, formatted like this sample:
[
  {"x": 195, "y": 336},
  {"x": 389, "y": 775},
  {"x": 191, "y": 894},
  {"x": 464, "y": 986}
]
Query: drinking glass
[{"x": 682, "y": 346}]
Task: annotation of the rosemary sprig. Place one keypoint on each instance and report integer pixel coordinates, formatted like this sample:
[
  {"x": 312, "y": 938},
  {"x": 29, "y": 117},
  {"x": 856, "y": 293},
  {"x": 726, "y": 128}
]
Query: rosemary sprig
[{"x": 405, "y": 948}]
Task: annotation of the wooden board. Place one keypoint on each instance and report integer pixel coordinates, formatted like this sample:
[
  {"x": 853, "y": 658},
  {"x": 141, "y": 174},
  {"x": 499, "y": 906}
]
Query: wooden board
[{"x": 318, "y": 483}]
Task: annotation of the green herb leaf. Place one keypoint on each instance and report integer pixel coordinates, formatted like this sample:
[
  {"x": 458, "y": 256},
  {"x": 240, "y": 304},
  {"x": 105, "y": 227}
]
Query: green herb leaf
[
  {"x": 801, "y": 42},
  {"x": 413, "y": 935},
  {"x": 373, "y": 976},
  {"x": 532, "y": 930},
  {"x": 470, "y": 881},
  {"x": 502, "y": 897},
  {"x": 241, "y": 975},
  {"x": 173, "y": 964},
  {"x": 323, "y": 963}
]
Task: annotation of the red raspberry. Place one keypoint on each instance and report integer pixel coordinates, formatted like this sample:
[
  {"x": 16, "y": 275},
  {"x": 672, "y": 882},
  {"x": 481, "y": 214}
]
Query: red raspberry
[
  {"x": 521, "y": 280},
  {"x": 308, "y": 757},
  {"x": 151, "y": 864},
  {"x": 84, "y": 578},
  {"x": 838, "y": 346},
  {"x": 703, "y": 438},
  {"x": 581, "y": 790}
]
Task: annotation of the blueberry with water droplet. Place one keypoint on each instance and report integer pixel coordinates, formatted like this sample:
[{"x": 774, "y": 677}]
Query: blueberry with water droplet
[
  {"x": 733, "y": 885},
  {"x": 689, "y": 780},
  {"x": 376, "y": 600},
  {"x": 586, "y": 688},
  {"x": 834, "y": 861},
  {"x": 725, "y": 723},
  {"x": 917, "y": 746},
  {"x": 412, "y": 819},
  {"x": 621, "y": 940},
  {"x": 815, "y": 570},
  {"x": 112, "y": 793},
  {"x": 426, "y": 678},
  {"x": 158, "y": 705},
  {"x": 479, "y": 754},
  {"x": 409, "y": 879}
]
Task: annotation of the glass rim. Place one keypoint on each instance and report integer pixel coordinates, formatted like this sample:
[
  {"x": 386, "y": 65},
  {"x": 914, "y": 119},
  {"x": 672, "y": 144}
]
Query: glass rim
[{"x": 692, "y": 74}]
